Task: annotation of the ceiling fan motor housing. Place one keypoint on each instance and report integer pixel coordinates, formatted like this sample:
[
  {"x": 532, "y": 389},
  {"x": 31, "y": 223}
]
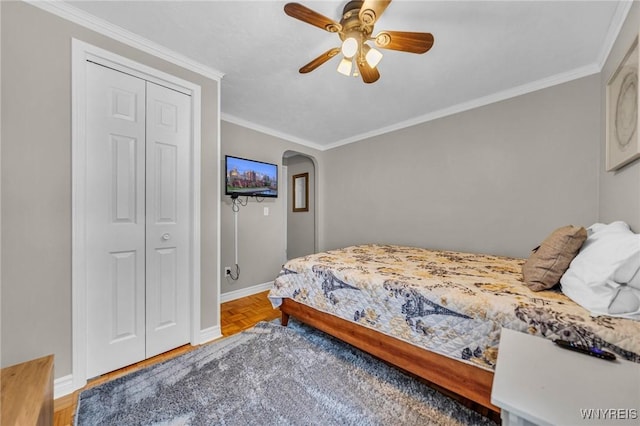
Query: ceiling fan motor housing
[{"x": 351, "y": 24}]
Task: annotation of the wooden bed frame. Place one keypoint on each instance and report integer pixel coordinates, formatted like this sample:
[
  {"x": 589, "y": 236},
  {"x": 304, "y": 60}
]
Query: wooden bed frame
[{"x": 468, "y": 381}]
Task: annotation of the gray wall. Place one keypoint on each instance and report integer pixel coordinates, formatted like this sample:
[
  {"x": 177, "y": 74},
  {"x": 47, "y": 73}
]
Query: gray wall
[
  {"x": 36, "y": 182},
  {"x": 300, "y": 225},
  {"x": 497, "y": 179},
  {"x": 619, "y": 190},
  {"x": 261, "y": 241}
]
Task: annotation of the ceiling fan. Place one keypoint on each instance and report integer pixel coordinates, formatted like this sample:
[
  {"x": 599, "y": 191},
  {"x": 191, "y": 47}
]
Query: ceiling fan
[{"x": 355, "y": 29}]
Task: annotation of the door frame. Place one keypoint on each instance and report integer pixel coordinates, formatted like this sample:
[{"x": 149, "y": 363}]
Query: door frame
[
  {"x": 82, "y": 52},
  {"x": 285, "y": 196},
  {"x": 314, "y": 174}
]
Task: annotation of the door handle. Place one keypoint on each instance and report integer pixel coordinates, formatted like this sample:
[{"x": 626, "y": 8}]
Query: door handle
[{"x": 166, "y": 236}]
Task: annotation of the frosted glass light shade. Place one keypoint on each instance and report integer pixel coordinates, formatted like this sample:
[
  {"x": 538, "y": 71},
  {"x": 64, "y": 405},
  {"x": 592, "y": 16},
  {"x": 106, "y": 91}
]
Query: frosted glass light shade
[
  {"x": 349, "y": 47},
  {"x": 344, "y": 67},
  {"x": 373, "y": 57}
]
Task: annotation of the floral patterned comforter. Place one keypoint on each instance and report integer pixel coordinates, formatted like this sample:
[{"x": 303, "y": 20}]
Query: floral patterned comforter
[{"x": 448, "y": 302}]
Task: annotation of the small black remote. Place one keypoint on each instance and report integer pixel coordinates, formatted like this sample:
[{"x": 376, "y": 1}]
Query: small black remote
[{"x": 593, "y": 351}]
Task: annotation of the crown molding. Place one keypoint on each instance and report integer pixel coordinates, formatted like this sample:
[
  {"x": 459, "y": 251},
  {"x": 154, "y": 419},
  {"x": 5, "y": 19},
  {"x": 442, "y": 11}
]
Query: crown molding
[
  {"x": 103, "y": 27},
  {"x": 620, "y": 15},
  {"x": 84, "y": 19},
  {"x": 454, "y": 109},
  {"x": 475, "y": 103},
  {"x": 615, "y": 27},
  {"x": 269, "y": 131}
]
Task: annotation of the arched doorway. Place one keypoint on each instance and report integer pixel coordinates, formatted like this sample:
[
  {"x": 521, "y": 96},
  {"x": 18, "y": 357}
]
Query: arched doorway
[{"x": 300, "y": 223}]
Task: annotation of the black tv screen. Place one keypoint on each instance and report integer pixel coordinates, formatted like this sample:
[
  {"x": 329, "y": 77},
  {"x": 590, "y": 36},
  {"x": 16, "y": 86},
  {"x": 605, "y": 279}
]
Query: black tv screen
[{"x": 250, "y": 177}]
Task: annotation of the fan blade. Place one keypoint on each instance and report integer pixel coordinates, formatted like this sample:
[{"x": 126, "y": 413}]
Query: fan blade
[
  {"x": 320, "y": 60},
  {"x": 405, "y": 41},
  {"x": 369, "y": 75},
  {"x": 303, "y": 13},
  {"x": 371, "y": 10}
]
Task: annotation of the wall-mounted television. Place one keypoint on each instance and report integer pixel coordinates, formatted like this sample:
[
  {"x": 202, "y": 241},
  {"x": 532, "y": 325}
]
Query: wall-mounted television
[{"x": 251, "y": 178}]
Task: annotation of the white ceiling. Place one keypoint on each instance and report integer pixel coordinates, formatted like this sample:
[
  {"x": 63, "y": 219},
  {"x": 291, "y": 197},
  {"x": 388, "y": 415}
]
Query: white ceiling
[{"x": 484, "y": 51}]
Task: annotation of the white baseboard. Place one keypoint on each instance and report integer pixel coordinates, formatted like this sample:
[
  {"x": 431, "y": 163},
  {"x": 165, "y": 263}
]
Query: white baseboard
[
  {"x": 243, "y": 292},
  {"x": 209, "y": 334},
  {"x": 63, "y": 386}
]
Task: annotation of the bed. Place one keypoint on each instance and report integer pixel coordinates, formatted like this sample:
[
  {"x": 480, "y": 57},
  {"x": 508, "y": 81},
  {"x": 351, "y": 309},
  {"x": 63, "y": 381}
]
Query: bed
[{"x": 436, "y": 314}]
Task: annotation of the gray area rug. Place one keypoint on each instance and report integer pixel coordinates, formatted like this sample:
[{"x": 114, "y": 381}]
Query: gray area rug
[{"x": 271, "y": 375}]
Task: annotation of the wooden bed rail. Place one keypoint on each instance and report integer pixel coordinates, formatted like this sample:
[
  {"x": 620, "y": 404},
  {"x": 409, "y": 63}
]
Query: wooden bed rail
[{"x": 468, "y": 381}]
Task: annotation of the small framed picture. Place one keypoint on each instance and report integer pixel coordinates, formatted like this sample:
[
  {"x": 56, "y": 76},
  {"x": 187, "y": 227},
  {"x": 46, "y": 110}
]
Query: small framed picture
[
  {"x": 301, "y": 192},
  {"x": 622, "y": 144}
]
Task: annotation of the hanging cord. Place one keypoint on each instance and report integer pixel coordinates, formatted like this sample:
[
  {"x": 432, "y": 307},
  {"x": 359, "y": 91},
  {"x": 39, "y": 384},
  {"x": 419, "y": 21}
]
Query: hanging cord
[
  {"x": 236, "y": 276},
  {"x": 236, "y": 202}
]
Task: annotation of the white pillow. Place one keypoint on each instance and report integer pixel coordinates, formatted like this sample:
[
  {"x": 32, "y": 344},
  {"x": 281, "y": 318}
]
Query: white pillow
[
  {"x": 609, "y": 259},
  {"x": 629, "y": 272}
]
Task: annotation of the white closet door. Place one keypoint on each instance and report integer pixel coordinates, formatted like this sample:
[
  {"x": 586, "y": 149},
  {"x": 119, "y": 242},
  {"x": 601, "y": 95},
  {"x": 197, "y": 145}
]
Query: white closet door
[
  {"x": 138, "y": 219},
  {"x": 168, "y": 218},
  {"x": 115, "y": 219}
]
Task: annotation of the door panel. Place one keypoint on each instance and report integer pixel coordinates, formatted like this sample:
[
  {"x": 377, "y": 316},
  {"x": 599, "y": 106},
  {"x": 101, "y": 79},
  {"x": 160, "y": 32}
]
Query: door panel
[
  {"x": 168, "y": 222},
  {"x": 115, "y": 220},
  {"x": 123, "y": 290},
  {"x": 138, "y": 219},
  {"x": 165, "y": 174},
  {"x": 167, "y": 289},
  {"x": 124, "y": 176}
]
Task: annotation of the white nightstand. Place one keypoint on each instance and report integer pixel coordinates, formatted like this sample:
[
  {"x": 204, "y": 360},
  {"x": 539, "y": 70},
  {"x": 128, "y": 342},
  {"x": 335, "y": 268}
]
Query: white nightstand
[{"x": 538, "y": 383}]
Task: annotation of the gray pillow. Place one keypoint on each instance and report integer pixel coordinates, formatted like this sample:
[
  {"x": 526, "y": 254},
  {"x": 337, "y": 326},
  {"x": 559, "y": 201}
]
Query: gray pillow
[{"x": 548, "y": 262}]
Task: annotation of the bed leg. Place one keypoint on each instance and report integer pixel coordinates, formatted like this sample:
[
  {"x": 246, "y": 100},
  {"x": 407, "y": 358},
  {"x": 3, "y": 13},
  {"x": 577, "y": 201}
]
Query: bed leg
[{"x": 284, "y": 320}]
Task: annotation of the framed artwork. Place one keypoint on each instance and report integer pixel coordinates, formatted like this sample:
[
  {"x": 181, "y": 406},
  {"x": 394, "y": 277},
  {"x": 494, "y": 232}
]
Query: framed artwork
[
  {"x": 623, "y": 145},
  {"x": 301, "y": 192}
]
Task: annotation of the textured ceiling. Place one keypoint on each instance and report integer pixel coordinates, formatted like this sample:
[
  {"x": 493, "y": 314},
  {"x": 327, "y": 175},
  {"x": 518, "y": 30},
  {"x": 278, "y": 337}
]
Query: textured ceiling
[{"x": 483, "y": 52}]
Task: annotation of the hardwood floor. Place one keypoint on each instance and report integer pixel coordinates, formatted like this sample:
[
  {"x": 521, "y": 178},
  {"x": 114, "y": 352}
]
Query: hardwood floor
[
  {"x": 240, "y": 314},
  {"x": 235, "y": 316}
]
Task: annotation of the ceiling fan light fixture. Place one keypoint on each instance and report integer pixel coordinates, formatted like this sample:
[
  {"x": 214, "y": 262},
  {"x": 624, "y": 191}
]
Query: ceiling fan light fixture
[
  {"x": 373, "y": 57},
  {"x": 355, "y": 30},
  {"x": 349, "y": 47},
  {"x": 344, "y": 67}
]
